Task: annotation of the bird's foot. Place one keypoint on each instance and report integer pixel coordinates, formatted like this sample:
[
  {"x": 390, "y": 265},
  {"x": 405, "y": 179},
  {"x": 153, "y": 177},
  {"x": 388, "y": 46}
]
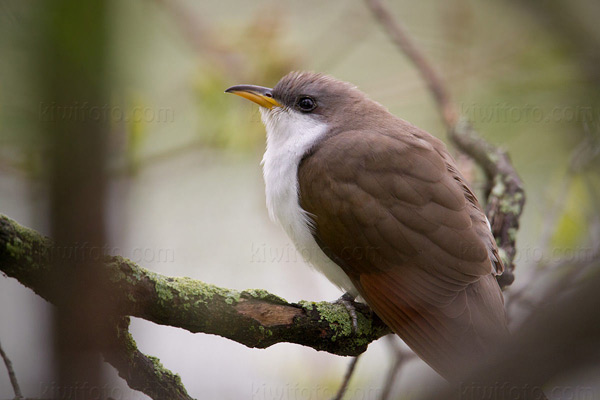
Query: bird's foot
[{"x": 347, "y": 300}]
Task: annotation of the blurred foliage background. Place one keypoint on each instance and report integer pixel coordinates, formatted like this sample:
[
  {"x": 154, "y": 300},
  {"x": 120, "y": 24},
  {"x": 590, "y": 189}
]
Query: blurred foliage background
[{"x": 186, "y": 196}]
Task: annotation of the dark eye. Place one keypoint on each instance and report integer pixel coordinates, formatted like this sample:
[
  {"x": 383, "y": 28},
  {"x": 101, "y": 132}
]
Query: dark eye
[{"x": 306, "y": 103}]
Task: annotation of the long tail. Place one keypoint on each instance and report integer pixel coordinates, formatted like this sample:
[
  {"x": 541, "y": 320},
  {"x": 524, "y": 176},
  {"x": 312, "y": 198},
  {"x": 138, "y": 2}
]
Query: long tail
[{"x": 451, "y": 339}]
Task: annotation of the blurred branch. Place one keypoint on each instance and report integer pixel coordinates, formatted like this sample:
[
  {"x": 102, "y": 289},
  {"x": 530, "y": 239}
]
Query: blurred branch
[
  {"x": 573, "y": 23},
  {"x": 344, "y": 386},
  {"x": 566, "y": 273},
  {"x": 506, "y": 196},
  {"x": 75, "y": 149},
  {"x": 11, "y": 374},
  {"x": 560, "y": 338},
  {"x": 254, "y": 318},
  {"x": 402, "y": 39},
  {"x": 401, "y": 357},
  {"x": 580, "y": 160},
  {"x": 204, "y": 40}
]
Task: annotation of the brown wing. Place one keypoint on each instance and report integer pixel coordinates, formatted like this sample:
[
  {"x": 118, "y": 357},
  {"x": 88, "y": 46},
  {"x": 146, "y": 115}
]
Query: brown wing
[{"x": 392, "y": 210}]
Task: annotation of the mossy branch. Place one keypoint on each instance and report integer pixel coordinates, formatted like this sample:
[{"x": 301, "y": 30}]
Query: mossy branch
[
  {"x": 142, "y": 372},
  {"x": 254, "y": 318}
]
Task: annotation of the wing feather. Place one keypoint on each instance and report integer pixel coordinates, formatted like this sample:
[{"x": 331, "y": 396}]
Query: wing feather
[{"x": 393, "y": 211}]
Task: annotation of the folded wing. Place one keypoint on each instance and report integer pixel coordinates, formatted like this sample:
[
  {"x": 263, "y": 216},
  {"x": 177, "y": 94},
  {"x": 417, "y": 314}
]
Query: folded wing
[{"x": 391, "y": 208}]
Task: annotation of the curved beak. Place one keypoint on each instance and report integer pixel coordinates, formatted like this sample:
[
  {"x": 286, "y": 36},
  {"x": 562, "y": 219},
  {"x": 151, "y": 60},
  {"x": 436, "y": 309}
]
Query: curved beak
[{"x": 260, "y": 95}]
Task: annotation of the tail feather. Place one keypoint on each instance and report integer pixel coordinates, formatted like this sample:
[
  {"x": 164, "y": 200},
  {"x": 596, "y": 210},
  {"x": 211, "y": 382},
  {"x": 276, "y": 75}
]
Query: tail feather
[{"x": 450, "y": 338}]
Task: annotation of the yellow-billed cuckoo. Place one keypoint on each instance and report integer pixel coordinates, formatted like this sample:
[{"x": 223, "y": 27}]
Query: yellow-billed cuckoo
[{"x": 380, "y": 208}]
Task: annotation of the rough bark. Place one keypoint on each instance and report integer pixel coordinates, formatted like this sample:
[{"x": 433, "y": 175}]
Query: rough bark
[{"x": 255, "y": 318}]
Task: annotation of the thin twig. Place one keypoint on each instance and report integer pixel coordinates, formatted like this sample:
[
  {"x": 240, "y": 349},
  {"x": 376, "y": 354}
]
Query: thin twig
[
  {"x": 400, "y": 359},
  {"x": 202, "y": 37},
  {"x": 402, "y": 39},
  {"x": 346, "y": 381},
  {"x": 11, "y": 374}
]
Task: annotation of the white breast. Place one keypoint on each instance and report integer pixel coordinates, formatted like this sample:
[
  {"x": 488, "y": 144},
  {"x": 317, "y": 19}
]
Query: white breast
[{"x": 290, "y": 135}]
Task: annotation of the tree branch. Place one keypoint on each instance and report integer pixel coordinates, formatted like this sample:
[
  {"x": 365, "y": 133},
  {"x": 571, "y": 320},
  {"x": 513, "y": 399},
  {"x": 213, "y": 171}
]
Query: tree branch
[
  {"x": 254, "y": 318},
  {"x": 504, "y": 189},
  {"x": 404, "y": 42},
  {"x": 346, "y": 381},
  {"x": 143, "y": 373},
  {"x": 11, "y": 374},
  {"x": 401, "y": 357}
]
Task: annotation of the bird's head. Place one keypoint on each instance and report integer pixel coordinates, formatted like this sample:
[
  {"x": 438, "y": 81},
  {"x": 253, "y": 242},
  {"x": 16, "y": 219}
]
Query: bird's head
[{"x": 308, "y": 98}]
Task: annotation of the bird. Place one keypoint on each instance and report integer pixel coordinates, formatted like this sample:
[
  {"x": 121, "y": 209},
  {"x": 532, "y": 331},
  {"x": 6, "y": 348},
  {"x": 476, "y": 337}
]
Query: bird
[{"x": 380, "y": 208}]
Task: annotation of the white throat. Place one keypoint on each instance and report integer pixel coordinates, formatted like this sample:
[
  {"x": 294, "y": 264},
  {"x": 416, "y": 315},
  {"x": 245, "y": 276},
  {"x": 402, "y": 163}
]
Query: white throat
[{"x": 290, "y": 135}]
